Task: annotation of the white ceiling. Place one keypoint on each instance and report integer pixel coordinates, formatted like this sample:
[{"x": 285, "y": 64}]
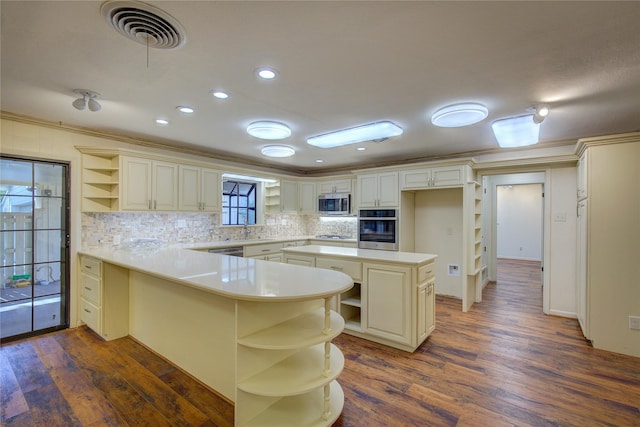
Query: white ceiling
[{"x": 340, "y": 64}]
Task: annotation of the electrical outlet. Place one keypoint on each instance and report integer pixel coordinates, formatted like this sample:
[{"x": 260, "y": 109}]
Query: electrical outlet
[
  {"x": 116, "y": 239},
  {"x": 181, "y": 223},
  {"x": 454, "y": 269},
  {"x": 634, "y": 323}
]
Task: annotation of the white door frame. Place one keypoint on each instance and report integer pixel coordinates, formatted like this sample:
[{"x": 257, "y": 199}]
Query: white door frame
[{"x": 497, "y": 178}]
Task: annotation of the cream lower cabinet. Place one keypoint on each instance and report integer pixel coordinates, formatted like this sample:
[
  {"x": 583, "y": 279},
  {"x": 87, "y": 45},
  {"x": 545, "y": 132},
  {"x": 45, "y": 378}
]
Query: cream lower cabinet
[
  {"x": 390, "y": 303},
  {"x": 103, "y": 289},
  {"x": 265, "y": 251},
  {"x": 287, "y": 366},
  {"x": 387, "y": 299}
]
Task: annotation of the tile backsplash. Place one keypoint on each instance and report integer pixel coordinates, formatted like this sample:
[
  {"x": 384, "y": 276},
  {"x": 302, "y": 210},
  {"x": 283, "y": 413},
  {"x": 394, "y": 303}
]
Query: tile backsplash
[{"x": 108, "y": 229}]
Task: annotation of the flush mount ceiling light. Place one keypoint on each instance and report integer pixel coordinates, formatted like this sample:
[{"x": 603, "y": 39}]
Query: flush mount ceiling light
[
  {"x": 265, "y": 129},
  {"x": 162, "y": 122},
  {"x": 516, "y": 131},
  {"x": 88, "y": 99},
  {"x": 378, "y": 131},
  {"x": 277, "y": 151},
  {"x": 458, "y": 115}
]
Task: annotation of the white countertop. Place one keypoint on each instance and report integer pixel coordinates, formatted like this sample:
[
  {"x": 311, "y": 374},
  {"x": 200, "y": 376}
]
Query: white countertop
[
  {"x": 395, "y": 257},
  {"x": 248, "y": 242},
  {"x": 234, "y": 277}
]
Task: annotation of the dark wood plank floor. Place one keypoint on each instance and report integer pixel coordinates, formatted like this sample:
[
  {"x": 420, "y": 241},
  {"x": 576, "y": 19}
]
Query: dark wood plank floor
[{"x": 502, "y": 363}]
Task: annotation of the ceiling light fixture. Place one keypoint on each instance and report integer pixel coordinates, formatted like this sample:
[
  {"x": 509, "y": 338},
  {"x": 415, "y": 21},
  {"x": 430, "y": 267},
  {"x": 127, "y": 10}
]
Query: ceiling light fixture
[
  {"x": 219, "y": 94},
  {"x": 458, "y": 115},
  {"x": 266, "y": 73},
  {"x": 266, "y": 129},
  {"x": 184, "y": 109},
  {"x": 277, "y": 151},
  {"x": 540, "y": 113},
  {"x": 319, "y": 161},
  {"x": 162, "y": 122},
  {"x": 88, "y": 99},
  {"x": 378, "y": 131},
  {"x": 516, "y": 131}
]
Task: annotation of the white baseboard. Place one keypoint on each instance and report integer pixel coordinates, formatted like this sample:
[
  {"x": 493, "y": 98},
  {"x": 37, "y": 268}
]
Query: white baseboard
[
  {"x": 519, "y": 258},
  {"x": 561, "y": 313}
]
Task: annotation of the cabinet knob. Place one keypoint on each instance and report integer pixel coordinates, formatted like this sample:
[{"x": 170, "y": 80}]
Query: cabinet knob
[
  {"x": 87, "y": 288},
  {"x": 88, "y": 311}
]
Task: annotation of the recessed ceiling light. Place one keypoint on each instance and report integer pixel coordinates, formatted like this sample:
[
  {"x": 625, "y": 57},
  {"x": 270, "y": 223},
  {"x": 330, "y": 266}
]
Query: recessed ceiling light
[
  {"x": 516, "y": 131},
  {"x": 319, "y": 161},
  {"x": 268, "y": 130},
  {"x": 459, "y": 115},
  {"x": 184, "y": 109},
  {"x": 162, "y": 122},
  {"x": 360, "y": 148},
  {"x": 266, "y": 73},
  {"x": 378, "y": 131},
  {"x": 219, "y": 94},
  {"x": 277, "y": 151}
]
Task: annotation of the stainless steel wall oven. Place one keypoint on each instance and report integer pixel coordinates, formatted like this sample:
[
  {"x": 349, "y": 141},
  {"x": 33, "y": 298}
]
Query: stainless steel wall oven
[{"x": 378, "y": 229}]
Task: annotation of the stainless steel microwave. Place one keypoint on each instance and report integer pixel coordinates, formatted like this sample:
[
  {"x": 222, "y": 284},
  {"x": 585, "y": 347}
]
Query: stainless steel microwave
[{"x": 334, "y": 204}]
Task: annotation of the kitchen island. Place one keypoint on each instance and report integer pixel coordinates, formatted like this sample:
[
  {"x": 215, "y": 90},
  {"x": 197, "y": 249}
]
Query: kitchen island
[
  {"x": 393, "y": 298},
  {"x": 257, "y": 332}
]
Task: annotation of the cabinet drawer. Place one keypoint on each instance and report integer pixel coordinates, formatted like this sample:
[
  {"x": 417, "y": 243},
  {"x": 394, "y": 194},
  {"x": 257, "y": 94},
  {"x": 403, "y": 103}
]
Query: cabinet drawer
[
  {"x": 352, "y": 268},
  {"x": 426, "y": 272},
  {"x": 90, "y": 314},
  {"x": 264, "y": 249},
  {"x": 91, "y": 288},
  {"x": 91, "y": 266},
  {"x": 295, "y": 244}
]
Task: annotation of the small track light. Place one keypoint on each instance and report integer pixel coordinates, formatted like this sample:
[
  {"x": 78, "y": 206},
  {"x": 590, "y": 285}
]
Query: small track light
[{"x": 88, "y": 99}]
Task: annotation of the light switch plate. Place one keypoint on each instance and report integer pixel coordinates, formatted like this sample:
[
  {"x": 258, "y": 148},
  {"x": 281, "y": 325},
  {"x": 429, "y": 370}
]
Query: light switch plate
[{"x": 634, "y": 323}]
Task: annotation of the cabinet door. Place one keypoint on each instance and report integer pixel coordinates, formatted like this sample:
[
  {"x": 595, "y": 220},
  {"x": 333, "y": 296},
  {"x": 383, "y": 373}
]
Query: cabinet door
[
  {"x": 582, "y": 295},
  {"x": 387, "y": 301},
  {"x": 367, "y": 191},
  {"x": 447, "y": 176},
  {"x": 388, "y": 189},
  {"x": 288, "y": 196},
  {"x": 342, "y": 186},
  {"x": 418, "y": 178},
  {"x": 210, "y": 190},
  {"x": 423, "y": 301},
  {"x": 136, "y": 184},
  {"x": 189, "y": 188},
  {"x": 307, "y": 261},
  {"x": 308, "y": 198},
  {"x": 165, "y": 186},
  {"x": 582, "y": 176},
  {"x": 326, "y": 187}
]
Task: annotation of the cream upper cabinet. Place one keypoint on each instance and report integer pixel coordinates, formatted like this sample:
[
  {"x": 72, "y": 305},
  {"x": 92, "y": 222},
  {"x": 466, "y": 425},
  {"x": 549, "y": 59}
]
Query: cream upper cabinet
[
  {"x": 442, "y": 176},
  {"x": 149, "y": 185},
  {"x": 307, "y": 198},
  {"x": 334, "y": 186},
  {"x": 288, "y": 196},
  {"x": 378, "y": 190},
  {"x": 199, "y": 189}
]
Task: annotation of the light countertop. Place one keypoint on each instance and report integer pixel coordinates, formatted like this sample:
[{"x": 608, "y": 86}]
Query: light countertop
[
  {"x": 395, "y": 257},
  {"x": 234, "y": 277},
  {"x": 255, "y": 241}
]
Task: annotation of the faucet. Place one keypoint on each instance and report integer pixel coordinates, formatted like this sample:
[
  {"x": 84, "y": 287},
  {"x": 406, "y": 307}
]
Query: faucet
[{"x": 245, "y": 228}]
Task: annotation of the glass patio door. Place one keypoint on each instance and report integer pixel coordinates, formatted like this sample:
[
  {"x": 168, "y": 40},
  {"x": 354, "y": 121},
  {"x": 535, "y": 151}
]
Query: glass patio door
[{"x": 34, "y": 206}]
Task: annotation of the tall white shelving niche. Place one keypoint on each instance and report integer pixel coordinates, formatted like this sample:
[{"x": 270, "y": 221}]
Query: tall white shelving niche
[{"x": 286, "y": 364}]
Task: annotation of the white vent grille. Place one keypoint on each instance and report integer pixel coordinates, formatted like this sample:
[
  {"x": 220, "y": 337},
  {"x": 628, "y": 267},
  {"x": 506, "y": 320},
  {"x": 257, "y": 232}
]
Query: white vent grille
[{"x": 144, "y": 24}]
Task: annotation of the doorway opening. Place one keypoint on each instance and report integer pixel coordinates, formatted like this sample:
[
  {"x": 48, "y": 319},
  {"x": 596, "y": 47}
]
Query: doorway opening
[
  {"x": 515, "y": 223},
  {"x": 34, "y": 246}
]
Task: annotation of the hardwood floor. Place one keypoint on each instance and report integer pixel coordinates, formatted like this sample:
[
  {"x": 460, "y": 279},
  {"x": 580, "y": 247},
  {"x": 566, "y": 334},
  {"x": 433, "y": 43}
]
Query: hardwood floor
[{"x": 502, "y": 363}]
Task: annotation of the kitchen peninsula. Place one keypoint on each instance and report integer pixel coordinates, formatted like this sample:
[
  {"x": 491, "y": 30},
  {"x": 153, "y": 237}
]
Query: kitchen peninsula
[
  {"x": 257, "y": 332},
  {"x": 393, "y": 298}
]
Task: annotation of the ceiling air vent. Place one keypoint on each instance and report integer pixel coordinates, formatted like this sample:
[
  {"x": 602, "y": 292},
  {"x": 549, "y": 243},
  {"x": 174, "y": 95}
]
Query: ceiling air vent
[{"x": 144, "y": 24}]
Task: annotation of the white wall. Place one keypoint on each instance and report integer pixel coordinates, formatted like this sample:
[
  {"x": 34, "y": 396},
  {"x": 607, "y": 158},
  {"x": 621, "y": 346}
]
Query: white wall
[
  {"x": 438, "y": 230},
  {"x": 563, "y": 234},
  {"x": 519, "y": 221}
]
